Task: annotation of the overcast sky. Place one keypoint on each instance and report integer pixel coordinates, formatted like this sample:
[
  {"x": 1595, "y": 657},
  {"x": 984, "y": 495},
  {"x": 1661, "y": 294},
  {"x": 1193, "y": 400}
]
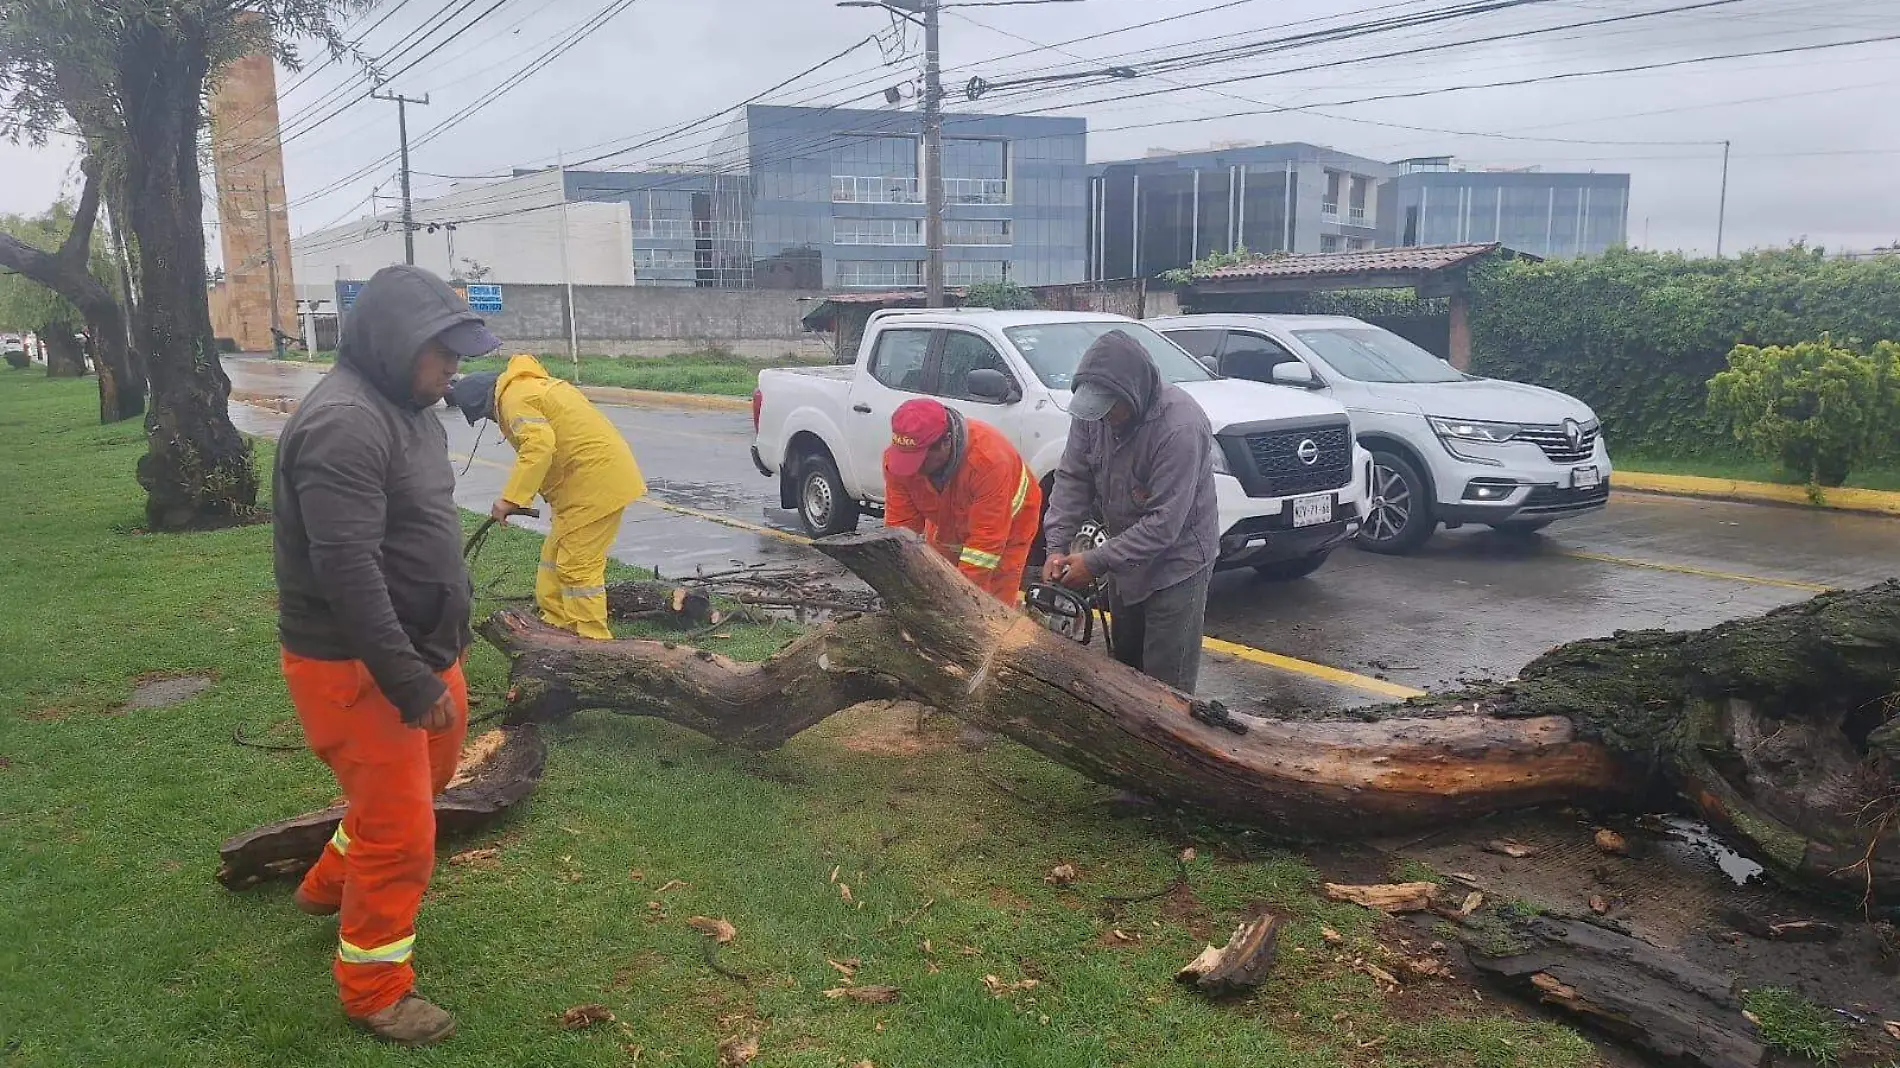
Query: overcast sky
[{"x": 1813, "y": 132}]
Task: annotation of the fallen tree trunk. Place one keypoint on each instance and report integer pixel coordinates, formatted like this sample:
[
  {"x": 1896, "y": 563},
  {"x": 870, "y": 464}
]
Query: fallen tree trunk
[
  {"x": 1762, "y": 725},
  {"x": 1648, "y": 997}
]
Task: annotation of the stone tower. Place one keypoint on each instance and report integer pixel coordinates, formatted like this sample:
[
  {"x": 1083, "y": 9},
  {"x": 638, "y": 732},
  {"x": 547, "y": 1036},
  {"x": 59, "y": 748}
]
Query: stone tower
[{"x": 253, "y": 223}]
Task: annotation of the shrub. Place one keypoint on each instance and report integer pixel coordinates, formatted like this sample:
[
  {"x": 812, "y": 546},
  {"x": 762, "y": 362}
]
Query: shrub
[
  {"x": 1000, "y": 296},
  {"x": 1637, "y": 335},
  {"x": 1818, "y": 407}
]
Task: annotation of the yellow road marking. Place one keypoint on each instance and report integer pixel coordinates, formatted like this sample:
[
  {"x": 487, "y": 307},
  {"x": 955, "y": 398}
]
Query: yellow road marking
[
  {"x": 1213, "y": 645},
  {"x": 1699, "y": 572},
  {"x": 1310, "y": 669}
]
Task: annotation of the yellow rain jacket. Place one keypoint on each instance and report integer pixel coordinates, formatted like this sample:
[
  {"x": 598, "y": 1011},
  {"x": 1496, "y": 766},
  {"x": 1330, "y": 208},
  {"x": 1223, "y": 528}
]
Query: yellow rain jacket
[{"x": 566, "y": 450}]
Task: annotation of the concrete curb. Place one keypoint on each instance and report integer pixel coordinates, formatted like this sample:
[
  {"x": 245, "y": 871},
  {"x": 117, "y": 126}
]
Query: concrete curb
[
  {"x": 1872, "y": 502},
  {"x": 647, "y": 398},
  {"x": 636, "y": 398}
]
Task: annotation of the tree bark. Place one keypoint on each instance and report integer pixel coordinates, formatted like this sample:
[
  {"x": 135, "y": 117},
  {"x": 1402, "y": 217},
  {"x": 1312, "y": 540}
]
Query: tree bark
[
  {"x": 197, "y": 469},
  {"x": 67, "y": 273},
  {"x": 65, "y": 357},
  {"x": 1769, "y": 727}
]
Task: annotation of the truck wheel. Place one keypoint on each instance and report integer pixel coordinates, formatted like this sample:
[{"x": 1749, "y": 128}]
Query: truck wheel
[
  {"x": 1287, "y": 570},
  {"x": 824, "y": 508},
  {"x": 1400, "y": 517}
]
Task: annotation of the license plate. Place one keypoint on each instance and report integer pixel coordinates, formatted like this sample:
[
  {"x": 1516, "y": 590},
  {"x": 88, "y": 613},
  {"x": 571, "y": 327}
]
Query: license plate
[
  {"x": 1586, "y": 478},
  {"x": 1312, "y": 511}
]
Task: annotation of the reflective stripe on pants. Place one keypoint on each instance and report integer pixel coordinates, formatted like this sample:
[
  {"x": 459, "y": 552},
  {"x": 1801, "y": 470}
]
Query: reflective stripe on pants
[
  {"x": 378, "y": 863},
  {"x": 570, "y": 587}
]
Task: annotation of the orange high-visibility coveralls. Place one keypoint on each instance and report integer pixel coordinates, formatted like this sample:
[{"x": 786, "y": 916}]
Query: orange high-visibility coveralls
[
  {"x": 986, "y": 516},
  {"x": 578, "y": 461},
  {"x": 378, "y": 863}
]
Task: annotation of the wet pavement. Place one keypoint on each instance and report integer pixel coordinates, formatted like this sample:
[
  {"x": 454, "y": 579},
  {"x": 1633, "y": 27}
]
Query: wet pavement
[{"x": 1470, "y": 605}]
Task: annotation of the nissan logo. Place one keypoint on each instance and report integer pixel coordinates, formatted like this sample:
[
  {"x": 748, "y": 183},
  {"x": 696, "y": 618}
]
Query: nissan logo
[
  {"x": 1573, "y": 433},
  {"x": 1308, "y": 452}
]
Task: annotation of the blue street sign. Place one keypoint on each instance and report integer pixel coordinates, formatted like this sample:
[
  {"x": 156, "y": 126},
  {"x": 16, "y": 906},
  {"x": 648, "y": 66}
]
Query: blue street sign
[
  {"x": 484, "y": 298},
  {"x": 346, "y": 293}
]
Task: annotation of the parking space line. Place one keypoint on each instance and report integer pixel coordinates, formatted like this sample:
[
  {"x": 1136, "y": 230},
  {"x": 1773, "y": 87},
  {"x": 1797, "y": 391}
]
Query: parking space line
[
  {"x": 1248, "y": 653},
  {"x": 1699, "y": 572}
]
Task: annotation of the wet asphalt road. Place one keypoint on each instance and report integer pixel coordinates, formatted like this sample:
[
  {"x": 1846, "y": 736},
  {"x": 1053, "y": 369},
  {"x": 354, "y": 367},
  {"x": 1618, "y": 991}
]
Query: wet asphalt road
[{"x": 1471, "y": 605}]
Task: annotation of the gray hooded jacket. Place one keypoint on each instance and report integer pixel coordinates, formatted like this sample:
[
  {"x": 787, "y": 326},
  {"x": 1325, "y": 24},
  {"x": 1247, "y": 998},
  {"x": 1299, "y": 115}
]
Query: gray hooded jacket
[
  {"x": 1152, "y": 484},
  {"x": 368, "y": 537}
]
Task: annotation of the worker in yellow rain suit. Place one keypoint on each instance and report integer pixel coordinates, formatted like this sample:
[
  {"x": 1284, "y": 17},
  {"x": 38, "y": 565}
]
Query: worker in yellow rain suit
[{"x": 570, "y": 454}]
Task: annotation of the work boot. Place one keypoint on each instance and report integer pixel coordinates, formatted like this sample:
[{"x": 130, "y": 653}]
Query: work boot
[
  {"x": 313, "y": 907},
  {"x": 409, "y": 1022}
]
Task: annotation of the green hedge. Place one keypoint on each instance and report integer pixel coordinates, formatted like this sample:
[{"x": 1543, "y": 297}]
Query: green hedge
[{"x": 1638, "y": 335}]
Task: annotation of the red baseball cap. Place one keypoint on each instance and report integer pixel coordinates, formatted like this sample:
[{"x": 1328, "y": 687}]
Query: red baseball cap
[{"x": 916, "y": 425}]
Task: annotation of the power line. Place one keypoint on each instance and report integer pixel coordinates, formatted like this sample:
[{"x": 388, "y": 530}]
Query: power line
[{"x": 1514, "y": 82}]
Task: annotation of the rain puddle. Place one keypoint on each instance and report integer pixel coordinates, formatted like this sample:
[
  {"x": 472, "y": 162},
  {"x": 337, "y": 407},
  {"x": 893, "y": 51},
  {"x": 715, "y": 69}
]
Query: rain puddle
[{"x": 1699, "y": 838}]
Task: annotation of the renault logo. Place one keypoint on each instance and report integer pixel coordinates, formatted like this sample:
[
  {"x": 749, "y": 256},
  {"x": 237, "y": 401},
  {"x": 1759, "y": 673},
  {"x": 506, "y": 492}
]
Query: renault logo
[
  {"x": 1573, "y": 433},
  {"x": 1308, "y": 452}
]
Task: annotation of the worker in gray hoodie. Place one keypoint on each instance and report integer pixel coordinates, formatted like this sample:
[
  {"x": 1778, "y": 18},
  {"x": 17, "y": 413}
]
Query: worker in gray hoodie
[
  {"x": 1139, "y": 458},
  {"x": 373, "y": 614}
]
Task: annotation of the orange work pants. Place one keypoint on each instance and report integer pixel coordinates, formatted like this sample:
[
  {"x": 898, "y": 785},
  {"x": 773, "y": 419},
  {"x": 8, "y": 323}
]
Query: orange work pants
[{"x": 378, "y": 864}]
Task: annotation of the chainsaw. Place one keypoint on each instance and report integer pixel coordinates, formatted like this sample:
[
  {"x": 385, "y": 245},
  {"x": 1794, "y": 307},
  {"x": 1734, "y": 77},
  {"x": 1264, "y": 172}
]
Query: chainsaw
[{"x": 1072, "y": 613}]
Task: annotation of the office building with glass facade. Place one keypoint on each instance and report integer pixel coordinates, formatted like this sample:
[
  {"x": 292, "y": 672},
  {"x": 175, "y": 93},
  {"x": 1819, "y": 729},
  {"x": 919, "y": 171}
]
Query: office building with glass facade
[
  {"x": 689, "y": 223},
  {"x": 1555, "y": 216},
  {"x": 1167, "y": 210},
  {"x": 837, "y": 197}
]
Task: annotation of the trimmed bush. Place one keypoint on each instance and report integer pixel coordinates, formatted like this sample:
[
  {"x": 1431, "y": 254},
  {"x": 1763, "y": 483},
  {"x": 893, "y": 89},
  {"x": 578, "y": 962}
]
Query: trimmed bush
[
  {"x": 1819, "y": 408},
  {"x": 1638, "y": 335}
]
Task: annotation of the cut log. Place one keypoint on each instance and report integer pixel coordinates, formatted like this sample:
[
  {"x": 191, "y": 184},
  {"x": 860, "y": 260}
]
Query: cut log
[
  {"x": 1762, "y": 725},
  {"x": 665, "y": 602},
  {"x": 1243, "y": 964},
  {"x": 1649, "y": 998},
  {"x": 1386, "y": 897},
  {"x": 481, "y": 792}
]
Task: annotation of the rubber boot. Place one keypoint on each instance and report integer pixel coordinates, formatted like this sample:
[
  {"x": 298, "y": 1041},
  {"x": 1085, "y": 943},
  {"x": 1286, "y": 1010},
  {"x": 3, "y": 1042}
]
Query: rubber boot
[{"x": 409, "y": 1022}]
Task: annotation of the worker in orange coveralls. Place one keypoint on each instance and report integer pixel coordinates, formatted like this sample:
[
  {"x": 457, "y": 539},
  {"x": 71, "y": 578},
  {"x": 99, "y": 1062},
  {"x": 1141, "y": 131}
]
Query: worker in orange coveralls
[
  {"x": 373, "y": 614},
  {"x": 962, "y": 485}
]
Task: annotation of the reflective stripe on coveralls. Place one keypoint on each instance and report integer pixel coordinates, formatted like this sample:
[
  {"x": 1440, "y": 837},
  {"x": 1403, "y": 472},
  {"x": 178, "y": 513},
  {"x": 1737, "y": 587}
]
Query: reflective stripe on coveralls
[
  {"x": 340, "y": 841},
  {"x": 394, "y": 953}
]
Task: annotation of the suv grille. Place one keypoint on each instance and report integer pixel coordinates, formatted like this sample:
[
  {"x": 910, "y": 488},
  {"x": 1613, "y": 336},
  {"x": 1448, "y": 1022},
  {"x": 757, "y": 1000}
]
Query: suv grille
[
  {"x": 1556, "y": 444},
  {"x": 1276, "y": 455}
]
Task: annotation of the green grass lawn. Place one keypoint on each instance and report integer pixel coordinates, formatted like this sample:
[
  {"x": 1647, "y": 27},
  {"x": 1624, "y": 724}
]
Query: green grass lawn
[
  {"x": 118, "y": 949},
  {"x": 695, "y": 372},
  {"x": 1748, "y": 469}
]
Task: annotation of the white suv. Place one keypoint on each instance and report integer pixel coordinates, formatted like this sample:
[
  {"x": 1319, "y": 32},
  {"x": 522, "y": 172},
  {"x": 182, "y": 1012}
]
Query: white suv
[{"x": 1447, "y": 447}]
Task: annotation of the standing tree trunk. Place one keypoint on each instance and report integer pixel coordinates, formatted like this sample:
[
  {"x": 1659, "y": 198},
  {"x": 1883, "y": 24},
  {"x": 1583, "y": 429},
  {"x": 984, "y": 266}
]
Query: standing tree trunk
[
  {"x": 197, "y": 468},
  {"x": 65, "y": 358},
  {"x": 66, "y": 272}
]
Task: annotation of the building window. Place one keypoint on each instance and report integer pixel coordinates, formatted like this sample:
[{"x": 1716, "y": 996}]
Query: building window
[
  {"x": 972, "y": 272},
  {"x": 1329, "y": 242},
  {"x": 976, "y": 232},
  {"x": 876, "y": 170},
  {"x": 663, "y": 259},
  {"x": 880, "y": 274},
  {"x": 1358, "y": 244},
  {"x": 874, "y": 189},
  {"x": 972, "y": 158},
  {"x": 877, "y": 231}
]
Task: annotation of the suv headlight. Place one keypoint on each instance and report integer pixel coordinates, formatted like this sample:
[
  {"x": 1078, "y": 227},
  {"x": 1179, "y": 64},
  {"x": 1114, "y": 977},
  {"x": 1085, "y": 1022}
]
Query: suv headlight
[
  {"x": 1473, "y": 430},
  {"x": 1220, "y": 460}
]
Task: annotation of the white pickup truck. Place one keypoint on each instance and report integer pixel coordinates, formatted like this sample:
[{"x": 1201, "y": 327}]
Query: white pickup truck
[{"x": 1291, "y": 481}]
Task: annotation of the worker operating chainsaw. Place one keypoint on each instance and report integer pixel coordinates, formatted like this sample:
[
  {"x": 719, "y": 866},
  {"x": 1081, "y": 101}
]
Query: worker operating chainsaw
[
  {"x": 960, "y": 484},
  {"x": 1139, "y": 456},
  {"x": 573, "y": 457}
]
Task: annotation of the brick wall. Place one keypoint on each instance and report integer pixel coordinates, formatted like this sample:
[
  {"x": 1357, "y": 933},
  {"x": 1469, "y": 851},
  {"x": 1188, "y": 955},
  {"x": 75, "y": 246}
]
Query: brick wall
[{"x": 249, "y": 164}]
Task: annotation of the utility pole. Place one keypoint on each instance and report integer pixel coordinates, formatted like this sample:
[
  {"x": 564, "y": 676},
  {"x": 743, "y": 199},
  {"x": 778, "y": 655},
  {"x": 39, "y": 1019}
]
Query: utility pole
[
  {"x": 930, "y": 10},
  {"x": 933, "y": 154},
  {"x": 567, "y": 278},
  {"x": 402, "y": 129},
  {"x": 270, "y": 260},
  {"x": 1721, "y": 212}
]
